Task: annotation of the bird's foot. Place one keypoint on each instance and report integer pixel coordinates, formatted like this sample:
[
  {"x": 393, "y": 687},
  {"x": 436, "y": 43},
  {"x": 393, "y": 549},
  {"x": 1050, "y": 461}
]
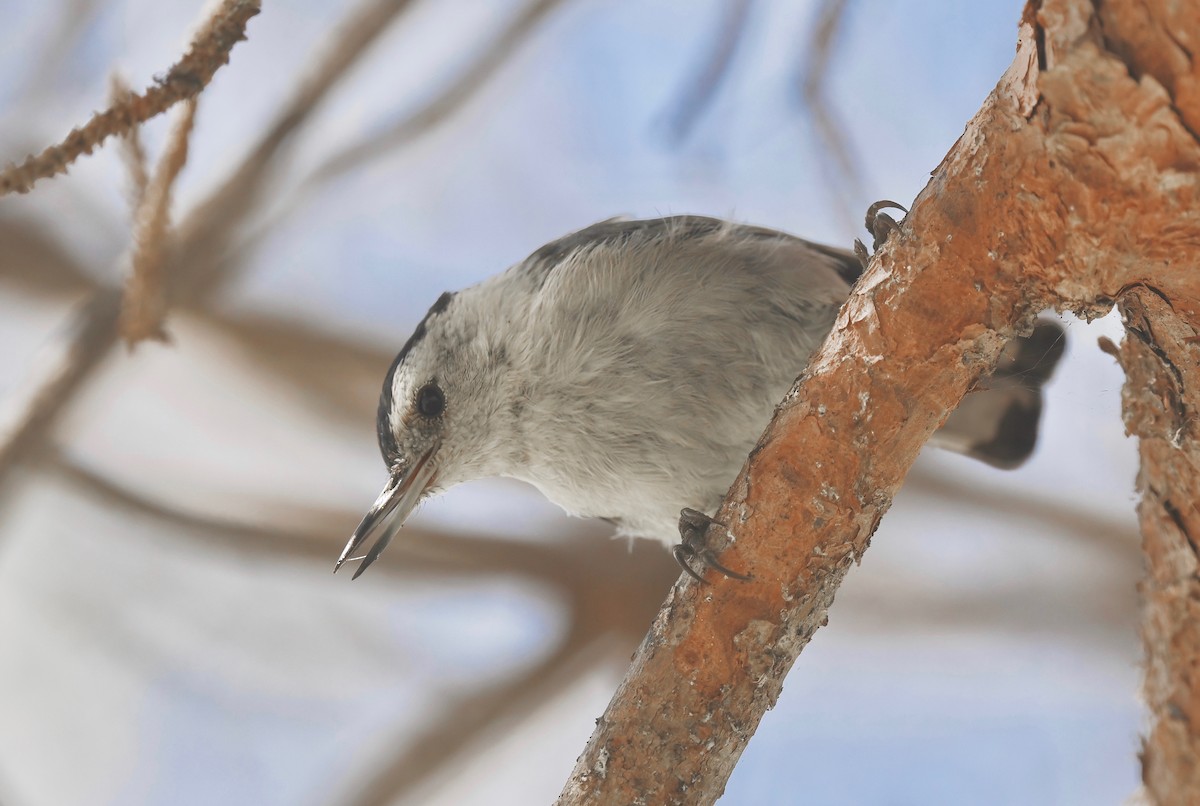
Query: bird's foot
[
  {"x": 693, "y": 544},
  {"x": 880, "y": 225}
]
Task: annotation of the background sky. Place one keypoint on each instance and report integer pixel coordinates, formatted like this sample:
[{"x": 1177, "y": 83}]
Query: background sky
[{"x": 985, "y": 651}]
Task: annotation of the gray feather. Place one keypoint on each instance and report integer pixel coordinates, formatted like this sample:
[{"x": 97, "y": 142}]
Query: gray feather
[{"x": 627, "y": 369}]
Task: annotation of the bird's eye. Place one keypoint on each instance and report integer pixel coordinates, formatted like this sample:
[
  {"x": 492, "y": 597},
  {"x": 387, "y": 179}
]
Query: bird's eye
[{"x": 431, "y": 402}]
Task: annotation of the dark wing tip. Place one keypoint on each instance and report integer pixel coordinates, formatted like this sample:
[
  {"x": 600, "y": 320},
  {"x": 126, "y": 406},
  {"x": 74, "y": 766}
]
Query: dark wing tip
[
  {"x": 1016, "y": 432},
  {"x": 1016, "y": 396}
]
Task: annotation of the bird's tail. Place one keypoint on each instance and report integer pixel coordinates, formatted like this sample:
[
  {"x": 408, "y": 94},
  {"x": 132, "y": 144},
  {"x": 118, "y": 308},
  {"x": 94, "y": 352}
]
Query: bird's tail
[{"x": 998, "y": 423}]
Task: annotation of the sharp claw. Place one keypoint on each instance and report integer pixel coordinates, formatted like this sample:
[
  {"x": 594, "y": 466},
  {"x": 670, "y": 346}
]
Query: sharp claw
[
  {"x": 885, "y": 204},
  {"x": 880, "y": 225},
  {"x": 681, "y": 552},
  {"x": 693, "y": 528}
]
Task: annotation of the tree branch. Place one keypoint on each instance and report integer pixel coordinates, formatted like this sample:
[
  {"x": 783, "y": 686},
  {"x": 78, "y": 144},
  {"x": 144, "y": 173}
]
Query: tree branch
[
  {"x": 191, "y": 74},
  {"x": 144, "y": 306},
  {"x": 27, "y": 420},
  {"x": 203, "y": 239},
  {"x": 843, "y": 180},
  {"x": 481, "y": 69},
  {"x": 1161, "y": 394},
  {"x": 133, "y": 153},
  {"x": 701, "y": 88},
  {"x": 1073, "y": 184}
]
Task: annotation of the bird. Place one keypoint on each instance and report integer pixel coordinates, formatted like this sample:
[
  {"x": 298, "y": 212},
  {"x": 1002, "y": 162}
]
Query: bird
[{"x": 626, "y": 371}]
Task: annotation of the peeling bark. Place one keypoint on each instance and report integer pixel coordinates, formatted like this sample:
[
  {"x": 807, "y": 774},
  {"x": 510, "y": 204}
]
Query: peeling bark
[
  {"x": 1074, "y": 187},
  {"x": 1161, "y": 358}
]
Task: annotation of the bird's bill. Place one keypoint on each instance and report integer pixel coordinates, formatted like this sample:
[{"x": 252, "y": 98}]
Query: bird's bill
[{"x": 389, "y": 511}]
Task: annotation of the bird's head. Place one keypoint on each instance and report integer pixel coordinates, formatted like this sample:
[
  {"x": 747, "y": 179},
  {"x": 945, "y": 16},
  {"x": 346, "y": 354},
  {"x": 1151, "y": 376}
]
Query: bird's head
[{"x": 439, "y": 421}]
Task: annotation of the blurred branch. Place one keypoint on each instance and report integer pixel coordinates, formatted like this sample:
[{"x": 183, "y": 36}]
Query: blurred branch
[
  {"x": 315, "y": 545},
  {"x": 210, "y": 48},
  {"x": 144, "y": 305},
  {"x": 429, "y": 751},
  {"x": 28, "y": 422},
  {"x": 428, "y": 116},
  {"x": 75, "y": 17},
  {"x": 133, "y": 154},
  {"x": 608, "y": 593},
  {"x": 1085, "y": 525},
  {"x": 702, "y": 87},
  {"x": 203, "y": 239},
  {"x": 813, "y": 78},
  {"x": 564, "y": 564},
  {"x": 335, "y": 375},
  {"x": 30, "y": 257}
]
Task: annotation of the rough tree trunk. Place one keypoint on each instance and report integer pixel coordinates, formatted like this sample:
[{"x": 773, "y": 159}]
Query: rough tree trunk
[
  {"x": 1076, "y": 186},
  {"x": 1161, "y": 358}
]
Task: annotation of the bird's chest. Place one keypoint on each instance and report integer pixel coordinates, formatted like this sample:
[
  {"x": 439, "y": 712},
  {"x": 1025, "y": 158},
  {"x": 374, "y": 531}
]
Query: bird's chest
[{"x": 593, "y": 470}]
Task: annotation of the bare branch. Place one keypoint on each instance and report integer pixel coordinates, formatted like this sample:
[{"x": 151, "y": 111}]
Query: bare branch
[
  {"x": 26, "y": 422},
  {"x": 1109, "y": 177},
  {"x": 75, "y": 18},
  {"x": 702, "y": 87},
  {"x": 213, "y": 223},
  {"x": 607, "y": 592},
  {"x": 191, "y": 74},
  {"x": 846, "y": 184},
  {"x": 1162, "y": 408},
  {"x": 202, "y": 238},
  {"x": 412, "y": 127},
  {"x": 430, "y": 750},
  {"x": 34, "y": 259},
  {"x": 133, "y": 154},
  {"x": 145, "y": 303},
  {"x": 446, "y": 103}
]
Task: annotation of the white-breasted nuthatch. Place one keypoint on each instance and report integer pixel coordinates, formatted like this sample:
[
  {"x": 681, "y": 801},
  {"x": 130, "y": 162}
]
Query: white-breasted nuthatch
[{"x": 627, "y": 370}]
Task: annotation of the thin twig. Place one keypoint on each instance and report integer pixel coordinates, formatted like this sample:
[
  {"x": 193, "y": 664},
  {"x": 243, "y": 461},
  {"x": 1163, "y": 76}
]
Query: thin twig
[
  {"x": 75, "y": 19},
  {"x": 702, "y": 87},
  {"x": 428, "y": 116},
  {"x": 200, "y": 237},
  {"x": 209, "y": 51},
  {"x": 428, "y": 751},
  {"x": 62, "y": 375},
  {"x": 34, "y": 259},
  {"x": 607, "y": 595},
  {"x": 145, "y": 303},
  {"x": 133, "y": 153},
  {"x": 846, "y": 186},
  {"x": 206, "y": 235}
]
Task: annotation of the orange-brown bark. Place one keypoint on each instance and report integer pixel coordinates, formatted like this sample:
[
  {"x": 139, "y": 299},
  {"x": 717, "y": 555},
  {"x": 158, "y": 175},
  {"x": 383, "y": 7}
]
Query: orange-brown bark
[
  {"x": 1161, "y": 357},
  {"x": 1075, "y": 185}
]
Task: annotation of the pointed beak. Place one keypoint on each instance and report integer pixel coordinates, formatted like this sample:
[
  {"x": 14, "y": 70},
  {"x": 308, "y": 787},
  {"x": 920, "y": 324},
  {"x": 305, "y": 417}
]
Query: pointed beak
[{"x": 389, "y": 511}]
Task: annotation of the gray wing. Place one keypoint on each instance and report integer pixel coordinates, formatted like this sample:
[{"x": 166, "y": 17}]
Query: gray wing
[
  {"x": 666, "y": 344},
  {"x": 613, "y": 232}
]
